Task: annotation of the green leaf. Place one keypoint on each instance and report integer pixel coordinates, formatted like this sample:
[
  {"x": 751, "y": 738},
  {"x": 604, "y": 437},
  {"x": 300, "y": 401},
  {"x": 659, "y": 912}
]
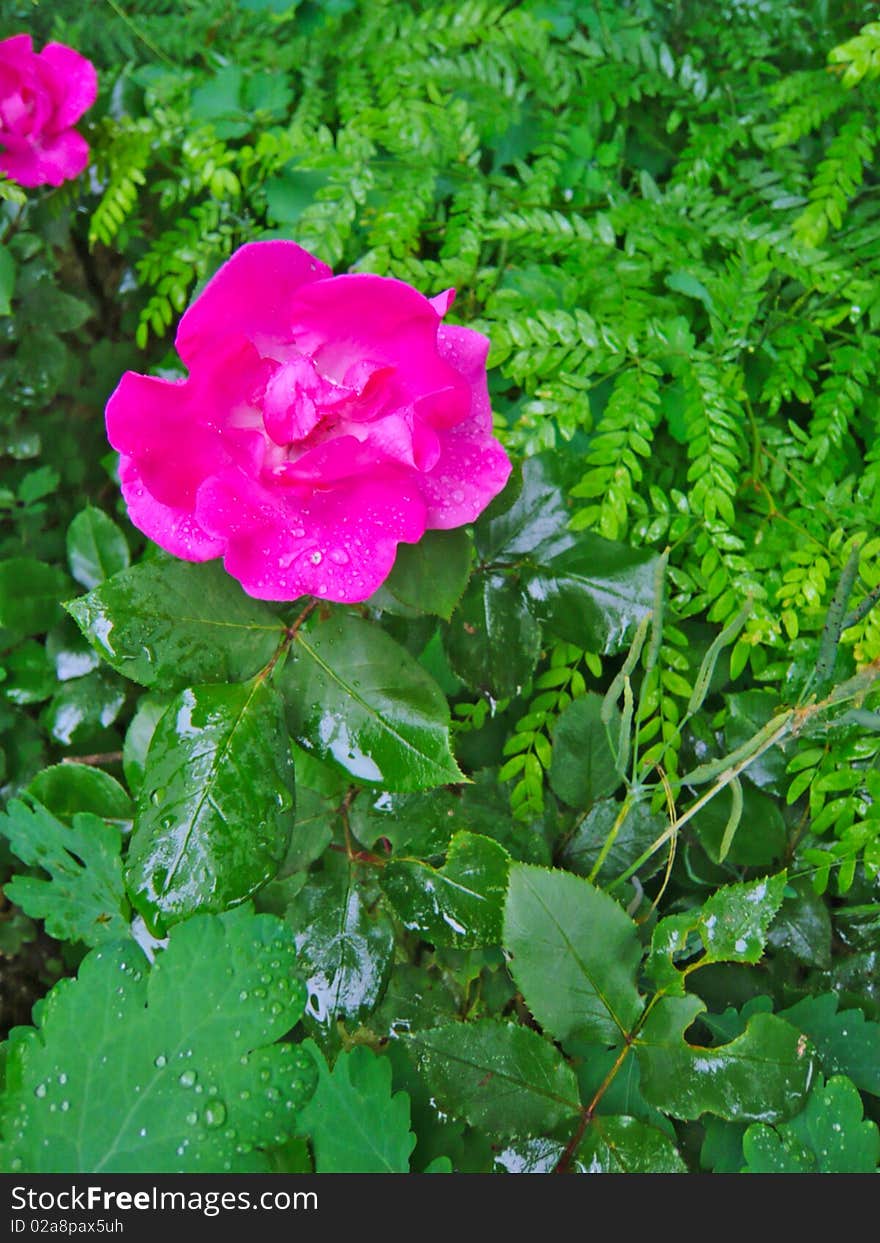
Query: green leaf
[
  {"x": 492, "y": 641},
  {"x": 96, "y": 548},
  {"x": 431, "y": 575},
  {"x": 846, "y": 1042},
  {"x": 762, "y": 1075},
  {"x": 7, "y": 280},
  {"x": 414, "y": 998},
  {"x": 732, "y": 926},
  {"x": 356, "y": 697},
  {"x": 346, "y": 949},
  {"x": 575, "y": 955},
  {"x": 594, "y": 592},
  {"x": 172, "y": 623},
  {"x": 499, "y": 1077},
  {"x": 761, "y": 835},
  {"x": 827, "y": 1137},
  {"x": 84, "y": 896},
  {"x": 139, "y": 735},
  {"x": 460, "y": 904},
  {"x": 357, "y": 1125},
  {"x": 803, "y": 925},
  {"x": 30, "y": 677},
  {"x": 82, "y": 709},
  {"x": 584, "y": 767},
  {"x": 534, "y": 523},
  {"x": 167, "y": 1070},
  {"x": 30, "y": 595},
  {"x": 621, "y": 1145},
  {"x": 65, "y": 789},
  {"x": 637, "y": 830},
  {"x": 215, "y": 811}
]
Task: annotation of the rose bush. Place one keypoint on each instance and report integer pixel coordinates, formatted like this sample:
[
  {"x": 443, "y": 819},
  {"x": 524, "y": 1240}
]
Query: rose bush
[
  {"x": 42, "y": 95},
  {"x": 324, "y": 420}
]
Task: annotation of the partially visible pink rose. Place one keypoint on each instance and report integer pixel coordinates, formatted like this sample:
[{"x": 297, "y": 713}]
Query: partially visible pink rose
[
  {"x": 325, "y": 419},
  {"x": 42, "y": 95}
]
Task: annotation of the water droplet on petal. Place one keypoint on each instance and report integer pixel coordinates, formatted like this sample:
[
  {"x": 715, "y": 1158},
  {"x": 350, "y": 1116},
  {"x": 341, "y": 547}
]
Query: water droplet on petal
[
  {"x": 316, "y": 557},
  {"x": 339, "y": 556}
]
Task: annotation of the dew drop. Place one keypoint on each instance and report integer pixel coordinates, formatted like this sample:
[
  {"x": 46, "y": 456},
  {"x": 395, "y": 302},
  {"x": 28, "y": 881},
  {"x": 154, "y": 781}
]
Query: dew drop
[
  {"x": 316, "y": 557},
  {"x": 339, "y": 556},
  {"x": 215, "y": 1114},
  {"x": 40, "y": 1090},
  {"x": 187, "y": 1078},
  {"x": 192, "y": 1118},
  {"x": 160, "y": 1061}
]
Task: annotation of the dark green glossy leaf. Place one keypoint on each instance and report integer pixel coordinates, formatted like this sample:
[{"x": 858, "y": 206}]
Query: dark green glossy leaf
[
  {"x": 593, "y": 593},
  {"x": 431, "y": 575},
  {"x": 30, "y": 677},
  {"x": 96, "y": 548},
  {"x": 356, "y": 1123},
  {"x": 215, "y": 811},
  {"x": 80, "y": 710},
  {"x": 316, "y": 819},
  {"x": 65, "y": 789},
  {"x": 846, "y": 1042},
  {"x": 346, "y": 948},
  {"x": 493, "y": 641},
  {"x": 635, "y": 833},
  {"x": 828, "y": 1137},
  {"x": 535, "y": 523},
  {"x": 414, "y": 998},
  {"x": 747, "y": 713},
  {"x": 584, "y": 766},
  {"x": 7, "y": 280},
  {"x": 356, "y": 697},
  {"x": 167, "y": 1070},
  {"x": 30, "y": 595},
  {"x": 533, "y": 1156},
  {"x": 172, "y": 623},
  {"x": 460, "y": 904},
  {"x": 620, "y": 1145},
  {"x": 763, "y": 1075},
  {"x": 575, "y": 955},
  {"x": 803, "y": 925},
  {"x": 731, "y": 925},
  {"x": 499, "y": 1077},
  {"x": 139, "y": 735},
  {"x": 761, "y": 836},
  {"x": 83, "y": 898}
]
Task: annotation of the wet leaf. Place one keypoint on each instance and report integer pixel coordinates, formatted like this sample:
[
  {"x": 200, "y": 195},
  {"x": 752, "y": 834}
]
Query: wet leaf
[
  {"x": 460, "y": 904},
  {"x": 499, "y": 1077},
  {"x": 356, "y": 1123},
  {"x": 96, "y": 548},
  {"x": 584, "y": 767},
  {"x": 346, "y": 949},
  {"x": 431, "y": 575},
  {"x": 846, "y": 1042},
  {"x": 636, "y": 831},
  {"x": 169, "y": 624},
  {"x": 168, "y": 1070},
  {"x": 215, "y": 811},
  {"x": 30, "y": 595},
  {"x": 65, "y": 789},
  {"x": 621, "y": 1145},
  {"x": 82, "y": 897},
  {"x": 493, "y": 641},
  {"x": 762, "y": 1075},
  {"x": 827, "y": 1137},
  {"x": 357, "y": 698}
]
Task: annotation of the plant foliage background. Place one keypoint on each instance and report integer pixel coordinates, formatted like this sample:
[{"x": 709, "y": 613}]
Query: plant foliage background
[{"x": 562, "y": 852}]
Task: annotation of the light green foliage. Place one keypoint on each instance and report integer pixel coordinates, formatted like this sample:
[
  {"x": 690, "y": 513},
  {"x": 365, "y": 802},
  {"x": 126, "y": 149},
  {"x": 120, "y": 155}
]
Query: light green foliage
[
  {"x": 357, "y": 1125},
  {"x": 827, "y": 1137},
  {"x": 132, "y": 1069}
]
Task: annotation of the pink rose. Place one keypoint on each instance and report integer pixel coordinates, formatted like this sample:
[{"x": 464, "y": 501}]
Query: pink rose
[
  {"x": 42, "y": 94},
  {"x": 325, "y": 419}
]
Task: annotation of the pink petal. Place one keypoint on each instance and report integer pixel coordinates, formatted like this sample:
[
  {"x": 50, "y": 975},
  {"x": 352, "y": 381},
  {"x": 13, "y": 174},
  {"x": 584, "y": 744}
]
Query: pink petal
[
  {"x": 173, "y": 529},
  {"x": 468, "y": 475},
  {"x": 76, "y": 78},
  {"x": 17, "y": 51},
  {"x": 50, "y": 161},
  {"x": 250, "y": 296},
  {"x": 338, "y": 544},
  {"x": 360, "y": 315},
  {"x": 441, "y": 302}
]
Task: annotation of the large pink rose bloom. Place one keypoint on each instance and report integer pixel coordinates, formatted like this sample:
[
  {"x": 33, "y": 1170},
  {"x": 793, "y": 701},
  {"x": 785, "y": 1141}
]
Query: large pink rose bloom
[
  {"x": 42, "y": 95},
  {"x": 325, "y": 419}
]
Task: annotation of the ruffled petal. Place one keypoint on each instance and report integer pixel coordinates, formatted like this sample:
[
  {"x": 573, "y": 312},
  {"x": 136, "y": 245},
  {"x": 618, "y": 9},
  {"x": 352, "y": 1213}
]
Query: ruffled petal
[
  {"x": 75, "y": 83},
  {"x": 249, "y": 296},
  {"x": 173, "y": 529},
  {"x": 339, "y": 545},
  {"x": 46, "y": 161}
]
